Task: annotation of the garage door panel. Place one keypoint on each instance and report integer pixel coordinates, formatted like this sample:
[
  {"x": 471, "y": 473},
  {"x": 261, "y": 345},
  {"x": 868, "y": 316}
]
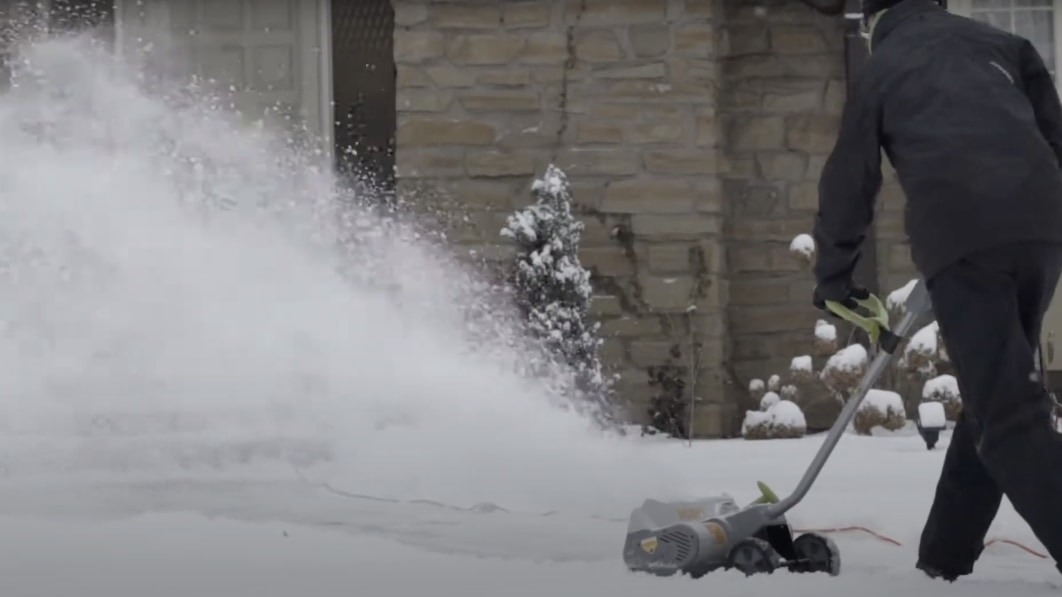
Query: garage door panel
[{"x": 257, "y": 52}]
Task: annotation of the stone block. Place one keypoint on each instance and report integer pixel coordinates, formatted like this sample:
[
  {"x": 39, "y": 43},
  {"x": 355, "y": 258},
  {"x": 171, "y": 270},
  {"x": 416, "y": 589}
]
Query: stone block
[
  {"x": 447, "y": 75},
  {"x": 545, "y": 48},
  {"x": 676, "y": 257},
  {"x": 617, "y": 161},
  {"x": 836, "y": 94},
  {"x": 814, "y": 66},
  {"x": 743, "y": 40},
  {"x": 478, "y": 194},
  {"x": 654, "y": 70},
  {"x": 484, "y": 49},
  {"x": 708, "y": 133},
  {"x": 609, "y": 12},
  {"x": 754, "y": 66},
  {"x": 787, "y": 165},
  {"x": 632, "y": 326},
  {"x": 647, "y": 196},
  {"x": 710, "y": 195},
  {"x": 591, "y": 132},
  {"x": 770, "y": 318},
  {"x": 613, "y": 352},
  {"x": 713, "y": 420},
  {"x": 756, "y": 133},
  {"x": 427, "y": 133},
  {"x": 812, "y": 133},
  {"x": 899, "y": 257},
  {"x": 601, "y": 229},
  {"x": 587, "y": 192},
  {"x": 527, "y": 139},
  {"x": 651, "y": 353},
  {"x": 477, "y": 227},
  {"x": 418, "y": 46},
  {"x": 802, "y": 97},
  {"x": 606, "y": 261},
  {"x": 695, "y": 39},
  {"x": 815, "y": 165},
  {"x": 533, "y": 14},
  {"x": 598, "y": 46},
  {"x": 415, "y": 162},
  {"x": 649, "y": 91},
  {"x": 409, "y": 76},
  {"x": 408, "y": 14},
  {"x": 423, "y": 100},
  {"x": 675, "y": 226},
  {"x": 489, "y": 164},
  {"x": 654, "y": 132},
  {"x": 682, "y": 161},
  {"x": 797, "y": 39},
  {"x": 803, "y": 196},
  {"x": 748, "y": 347},
  {"x": 759, "y": 291},
  {"x": 503, "y": 76},
  {"x": 762, "y": 258},
  {"x": 481, "y": 15},
  {"x": 604, "y": 305},
  {"x": 501, "y": 100},
  {"x": 695, "y": 69},
  {"x": 649, "y": 41},
  {"x": 701, "y": 9}
]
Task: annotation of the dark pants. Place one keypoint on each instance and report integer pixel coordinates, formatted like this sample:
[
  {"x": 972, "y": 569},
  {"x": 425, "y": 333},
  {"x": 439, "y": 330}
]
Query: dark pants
[{"x": 990, "y": 308}]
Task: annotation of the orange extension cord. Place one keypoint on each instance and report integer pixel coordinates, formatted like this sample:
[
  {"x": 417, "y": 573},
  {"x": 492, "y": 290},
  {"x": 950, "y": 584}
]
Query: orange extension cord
[{"x": 881, "y": 537}]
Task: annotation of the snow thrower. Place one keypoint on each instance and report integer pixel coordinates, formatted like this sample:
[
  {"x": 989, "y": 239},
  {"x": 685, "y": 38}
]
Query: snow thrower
[{"x": 700, "y": 536}]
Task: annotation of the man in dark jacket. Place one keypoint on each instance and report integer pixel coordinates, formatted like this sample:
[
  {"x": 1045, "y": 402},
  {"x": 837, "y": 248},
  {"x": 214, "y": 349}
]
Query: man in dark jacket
[{"x": 970, "y": 119}]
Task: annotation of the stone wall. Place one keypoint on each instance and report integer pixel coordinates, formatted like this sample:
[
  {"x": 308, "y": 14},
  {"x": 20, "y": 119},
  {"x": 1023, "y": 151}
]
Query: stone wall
[
  {"x": 694, "y": 132},
  {"x": 783, "y": 92},
  {"x": 622, "y": 96}
]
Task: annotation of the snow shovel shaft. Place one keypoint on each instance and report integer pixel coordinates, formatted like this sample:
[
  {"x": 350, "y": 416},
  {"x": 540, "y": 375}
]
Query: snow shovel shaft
[{"x": 916, "y": 305}]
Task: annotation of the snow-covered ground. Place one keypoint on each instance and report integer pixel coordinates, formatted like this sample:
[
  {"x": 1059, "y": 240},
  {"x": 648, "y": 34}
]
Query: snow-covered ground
[
  {"x": 176, "y": 324},
  {"x": 274, "y": 533}
]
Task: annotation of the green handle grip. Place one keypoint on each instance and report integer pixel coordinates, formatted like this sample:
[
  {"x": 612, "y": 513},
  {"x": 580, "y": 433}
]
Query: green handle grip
[{"x": 874, "y": 323}]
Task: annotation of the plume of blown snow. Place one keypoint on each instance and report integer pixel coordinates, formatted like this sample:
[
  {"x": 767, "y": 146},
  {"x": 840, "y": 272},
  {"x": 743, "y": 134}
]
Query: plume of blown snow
[{"x": 174, "y": 283}]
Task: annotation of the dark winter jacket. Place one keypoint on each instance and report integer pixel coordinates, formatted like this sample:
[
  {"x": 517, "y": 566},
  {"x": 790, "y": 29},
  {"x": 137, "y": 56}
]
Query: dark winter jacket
[{"x": 970, "y": 119}]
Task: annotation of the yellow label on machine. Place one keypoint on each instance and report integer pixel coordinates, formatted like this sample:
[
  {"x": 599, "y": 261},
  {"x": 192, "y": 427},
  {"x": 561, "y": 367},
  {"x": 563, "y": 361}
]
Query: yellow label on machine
[
  {"x": 687, "y": 514},
  {"x": 649, "y": 545},
  {"x": 716, "y": 531}
]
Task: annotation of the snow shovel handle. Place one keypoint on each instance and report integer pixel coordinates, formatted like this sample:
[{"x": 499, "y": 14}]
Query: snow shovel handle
[{"x": 917, "y": 304}]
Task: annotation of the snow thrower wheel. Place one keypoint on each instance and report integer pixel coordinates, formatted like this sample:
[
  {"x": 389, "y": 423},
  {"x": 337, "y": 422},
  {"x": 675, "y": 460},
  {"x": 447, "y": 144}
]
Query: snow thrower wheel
[
  {"x": 816, "y": 553},
  {"x": 754, "y": 556}
]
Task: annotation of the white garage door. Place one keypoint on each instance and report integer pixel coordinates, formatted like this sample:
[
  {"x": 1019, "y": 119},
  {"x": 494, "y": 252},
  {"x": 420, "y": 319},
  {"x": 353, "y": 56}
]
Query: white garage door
[{"x": 272, "y": 56}]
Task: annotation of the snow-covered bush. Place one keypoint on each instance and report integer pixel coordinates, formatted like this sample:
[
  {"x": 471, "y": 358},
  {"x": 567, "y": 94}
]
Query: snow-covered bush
[
  {"x": 945, "y": 390},
  {"x": 668, "y": 407},
  {"x": 803, "y": 249},
  {"x": 881, "y": 408},
  {"x": 778, "y": 419},
  {"x": 821, "y": 394},
  {"x": 552, "y": 289},
  {"x": 931, "y": 415}
]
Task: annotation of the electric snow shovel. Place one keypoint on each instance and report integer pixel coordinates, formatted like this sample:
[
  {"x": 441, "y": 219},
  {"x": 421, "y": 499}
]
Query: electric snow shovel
[{"x": 700, "y": 536}]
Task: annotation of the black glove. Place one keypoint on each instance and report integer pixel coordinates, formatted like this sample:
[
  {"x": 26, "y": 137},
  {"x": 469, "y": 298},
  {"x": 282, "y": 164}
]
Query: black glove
[{"x": 847, "y": 294}]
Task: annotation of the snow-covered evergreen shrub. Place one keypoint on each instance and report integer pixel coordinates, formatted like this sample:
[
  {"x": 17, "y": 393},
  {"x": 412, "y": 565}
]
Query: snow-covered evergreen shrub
[
  {"x": 945, "y": 390},
  {"x": 778, "y": 419},
  {"x": 881, "y": 408},
  {"x": 552, "y": 289}
]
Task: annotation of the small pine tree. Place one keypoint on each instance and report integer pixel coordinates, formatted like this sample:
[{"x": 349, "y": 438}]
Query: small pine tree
[{"x": 552, "y": 289}]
